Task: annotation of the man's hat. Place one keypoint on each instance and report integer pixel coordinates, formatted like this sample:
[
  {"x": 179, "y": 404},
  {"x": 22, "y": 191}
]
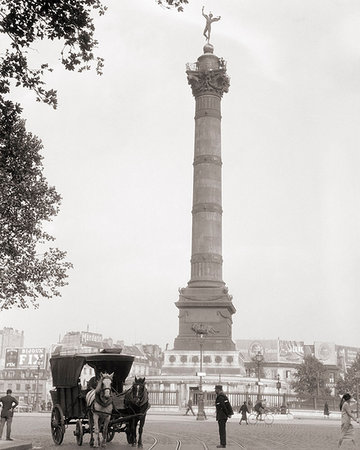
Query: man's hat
[{"x": 218, "y": 386}]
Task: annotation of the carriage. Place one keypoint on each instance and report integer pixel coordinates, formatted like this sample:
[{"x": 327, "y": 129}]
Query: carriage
[{"x": 69, "y": 399}]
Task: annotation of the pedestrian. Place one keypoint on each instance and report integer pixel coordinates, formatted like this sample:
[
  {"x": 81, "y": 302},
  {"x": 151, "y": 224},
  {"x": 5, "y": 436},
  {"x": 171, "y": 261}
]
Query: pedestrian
[
  {"x": 347, "y": 430},
  {"x": 189, "y": 407},
  {"x": 243, "y": 411},
  {"x": 223, "y": 412},
  {"x": 326, "y": 410},
  {"x": 8, "y": 403}
]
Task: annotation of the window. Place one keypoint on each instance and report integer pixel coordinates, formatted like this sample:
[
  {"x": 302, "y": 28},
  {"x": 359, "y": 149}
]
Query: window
[
  {"x": 18, "y": 387},
  {"x": 331, "y": 377},
  {"x": 288, "y": 374}
]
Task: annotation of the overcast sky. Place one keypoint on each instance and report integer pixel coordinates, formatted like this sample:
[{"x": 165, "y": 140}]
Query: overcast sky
[{"x": 119, "y": 149}]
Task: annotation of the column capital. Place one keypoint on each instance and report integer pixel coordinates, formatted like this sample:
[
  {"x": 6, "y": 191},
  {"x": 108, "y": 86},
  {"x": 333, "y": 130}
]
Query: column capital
[{"x": 214, "y": 82}]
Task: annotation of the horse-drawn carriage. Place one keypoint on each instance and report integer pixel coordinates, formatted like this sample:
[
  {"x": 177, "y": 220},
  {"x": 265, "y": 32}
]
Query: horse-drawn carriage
[{"x": 105, "y": 409}]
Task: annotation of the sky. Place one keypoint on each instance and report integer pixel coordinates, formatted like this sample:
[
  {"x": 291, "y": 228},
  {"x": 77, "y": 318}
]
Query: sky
[{"x": 119, "y": 149}]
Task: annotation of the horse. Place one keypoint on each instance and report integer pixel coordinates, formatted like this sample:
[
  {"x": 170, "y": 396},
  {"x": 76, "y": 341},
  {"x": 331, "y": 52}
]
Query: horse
[
  {"x": 100, "y": 405},
  {"x": 137, "y": 402}
]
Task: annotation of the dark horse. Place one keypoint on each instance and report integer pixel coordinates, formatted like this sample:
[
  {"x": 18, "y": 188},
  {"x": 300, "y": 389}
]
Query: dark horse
[{"x": 136, "y": 402}]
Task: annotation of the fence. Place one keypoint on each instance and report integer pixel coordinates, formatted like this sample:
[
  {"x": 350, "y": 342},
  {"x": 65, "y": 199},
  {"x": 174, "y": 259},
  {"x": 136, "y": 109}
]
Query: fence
[
  {"x": 164, "y": 398},
  {"x": 172, "y": 398}
]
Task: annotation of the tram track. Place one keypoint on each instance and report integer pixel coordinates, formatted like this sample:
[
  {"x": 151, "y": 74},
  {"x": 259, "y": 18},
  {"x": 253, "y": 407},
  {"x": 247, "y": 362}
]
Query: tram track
[{"x": 176, "y": 445}]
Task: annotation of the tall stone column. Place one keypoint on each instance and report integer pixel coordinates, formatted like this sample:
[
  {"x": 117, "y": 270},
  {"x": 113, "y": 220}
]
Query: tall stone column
[{"x": 205, "y": 307}]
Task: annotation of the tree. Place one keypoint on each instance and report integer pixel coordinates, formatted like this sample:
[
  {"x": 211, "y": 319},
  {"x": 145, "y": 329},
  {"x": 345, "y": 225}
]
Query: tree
[
  {"x": 310, "y": 380},
  {"x": 349, "y": 382},
  {"x": 26, "y": 202}
]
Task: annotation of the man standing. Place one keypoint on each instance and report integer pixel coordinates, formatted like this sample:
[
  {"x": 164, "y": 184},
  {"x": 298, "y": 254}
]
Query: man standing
[
  {"x": 8, "y": 404},
  {"x": 223, "y": 412}
]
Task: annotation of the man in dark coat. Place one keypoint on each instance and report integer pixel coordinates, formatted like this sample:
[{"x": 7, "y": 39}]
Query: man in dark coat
[
  {"x": 8, "y": 403},
  {"x": 223, "y": 412}
]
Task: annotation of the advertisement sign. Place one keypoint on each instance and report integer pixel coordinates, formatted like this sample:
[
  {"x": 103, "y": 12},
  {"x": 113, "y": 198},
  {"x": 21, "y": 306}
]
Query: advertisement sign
[
  {"x": 325, "y": 352},
  {"x": 249, "y": 348},
  {"x": 346, "y": 355},
  {"x": 86, "y": 336},
  {"x": 291, "y": 351},
  {"x": 11, "y": 358},
  {"x": 21, "y": 358}
]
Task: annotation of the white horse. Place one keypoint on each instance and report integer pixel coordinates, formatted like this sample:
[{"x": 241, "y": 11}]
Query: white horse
[{"x": 100, "y": 405}]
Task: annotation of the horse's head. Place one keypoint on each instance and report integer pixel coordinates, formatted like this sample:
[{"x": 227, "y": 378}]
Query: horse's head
[
  {"x": 104, "y": 384},
  {"x": 138, "y": 390}
]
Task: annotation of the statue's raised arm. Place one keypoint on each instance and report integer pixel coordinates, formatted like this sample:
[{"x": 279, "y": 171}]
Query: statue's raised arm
[{"x": 209, "y": 20}]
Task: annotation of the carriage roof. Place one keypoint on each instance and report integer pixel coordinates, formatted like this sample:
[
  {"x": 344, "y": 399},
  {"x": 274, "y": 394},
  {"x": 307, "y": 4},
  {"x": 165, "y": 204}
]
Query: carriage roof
[{"x": 66, "y": 369}]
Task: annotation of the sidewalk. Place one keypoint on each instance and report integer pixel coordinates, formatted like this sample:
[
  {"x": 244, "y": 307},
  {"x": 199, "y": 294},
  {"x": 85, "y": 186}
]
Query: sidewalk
[{"x": 16, "y": 444}]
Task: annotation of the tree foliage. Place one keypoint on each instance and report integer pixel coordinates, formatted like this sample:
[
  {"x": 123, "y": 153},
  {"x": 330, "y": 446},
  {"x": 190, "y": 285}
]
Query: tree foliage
[
  {"x": 25, "y": 22},
  {"x": 178, "y": 4},
  {"x": 348, "y": 383},
  {"x": 26, "y": 202},
  {"x": 310, "y": 379}
]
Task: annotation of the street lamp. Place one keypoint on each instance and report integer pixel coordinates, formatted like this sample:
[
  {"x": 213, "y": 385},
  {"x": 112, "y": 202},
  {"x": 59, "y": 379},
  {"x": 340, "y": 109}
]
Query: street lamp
[
  {"x": 201, "y": 332},
  {"x": 357, "y": 377},
  {"x": 37, "y": 403},
  {"x": 278, "y": 387},
  {"x": 259, "y": 358}
]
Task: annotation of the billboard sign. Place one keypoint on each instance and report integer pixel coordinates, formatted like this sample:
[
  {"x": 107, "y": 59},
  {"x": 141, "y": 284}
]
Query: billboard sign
[
  {"x": 291, "y": 351},
  {"x": 25, "y": 358},
  {"x": 11, "y": 358},
  {"x": 325, "y": 352}
]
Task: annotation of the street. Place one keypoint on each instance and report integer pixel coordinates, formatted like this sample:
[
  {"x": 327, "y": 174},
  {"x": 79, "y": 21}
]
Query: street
[{"x": 186, "y": 433}]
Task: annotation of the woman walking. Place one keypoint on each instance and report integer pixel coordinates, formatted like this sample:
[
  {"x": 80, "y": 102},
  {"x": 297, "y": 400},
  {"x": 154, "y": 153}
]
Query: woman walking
[{"x": 347, "y": 430}]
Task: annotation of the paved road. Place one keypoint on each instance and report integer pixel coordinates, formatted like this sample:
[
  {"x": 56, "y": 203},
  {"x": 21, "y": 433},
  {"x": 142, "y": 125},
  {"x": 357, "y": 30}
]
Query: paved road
[{"x": 176, "y": 432}]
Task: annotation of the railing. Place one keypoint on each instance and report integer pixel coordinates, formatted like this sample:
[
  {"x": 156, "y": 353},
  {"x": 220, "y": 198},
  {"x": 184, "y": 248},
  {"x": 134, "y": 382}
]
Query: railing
[{"x": 164, "y": 398}]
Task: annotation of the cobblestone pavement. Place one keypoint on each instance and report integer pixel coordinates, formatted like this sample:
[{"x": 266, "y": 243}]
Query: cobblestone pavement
[{"x": 185, "y": 433}]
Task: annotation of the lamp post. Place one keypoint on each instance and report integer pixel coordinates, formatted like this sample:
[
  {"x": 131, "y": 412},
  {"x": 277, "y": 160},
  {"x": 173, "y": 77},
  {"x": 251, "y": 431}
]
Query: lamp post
[
  {"x": 37, "y": 403},
  {"x": 201, "y": 332},
  {"x": 278, "y": 387},
  {"x": 259, "y": 358},
  {"x": 357, "y": 377}
]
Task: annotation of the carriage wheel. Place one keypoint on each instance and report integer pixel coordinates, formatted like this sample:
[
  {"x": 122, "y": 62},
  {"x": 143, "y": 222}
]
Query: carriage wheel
[
  {"x": 79, "y": 432},
  {"x": 57, "y": 425},
  {"x": 110, "y": 434}
]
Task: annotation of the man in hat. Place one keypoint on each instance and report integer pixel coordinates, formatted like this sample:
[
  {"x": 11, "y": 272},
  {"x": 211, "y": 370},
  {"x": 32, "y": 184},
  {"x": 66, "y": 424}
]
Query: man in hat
[{"x": 223, "y": 412}]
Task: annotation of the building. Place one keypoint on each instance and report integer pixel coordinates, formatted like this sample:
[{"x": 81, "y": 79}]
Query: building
[{"x": 9, "y": 337}]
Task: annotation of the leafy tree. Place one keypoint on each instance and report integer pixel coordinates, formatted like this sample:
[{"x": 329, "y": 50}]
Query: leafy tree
[
  {"x": 26, "y": 201},
  {"x": 349, "y": 382},
  {"x": 173, "y": 4},
  {"x": 310, "y": 380}
]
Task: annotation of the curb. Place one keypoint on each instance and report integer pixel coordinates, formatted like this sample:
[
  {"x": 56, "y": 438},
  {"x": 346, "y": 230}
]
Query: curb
[{"x": 15, "y": 445}]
